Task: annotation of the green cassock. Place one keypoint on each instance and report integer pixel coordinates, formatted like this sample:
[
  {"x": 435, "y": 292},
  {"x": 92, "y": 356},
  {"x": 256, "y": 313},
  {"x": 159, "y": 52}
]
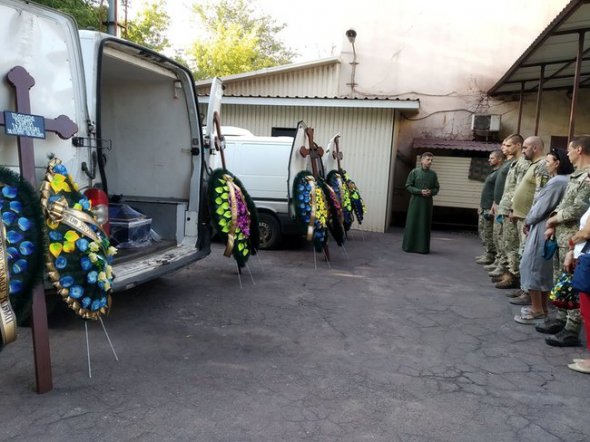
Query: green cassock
[{"x": 419, "y": 219}]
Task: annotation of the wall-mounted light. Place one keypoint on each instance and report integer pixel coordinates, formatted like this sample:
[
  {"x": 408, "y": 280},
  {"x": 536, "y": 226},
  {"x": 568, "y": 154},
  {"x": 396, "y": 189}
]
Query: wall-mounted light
[{"x": 351, "y": 35}]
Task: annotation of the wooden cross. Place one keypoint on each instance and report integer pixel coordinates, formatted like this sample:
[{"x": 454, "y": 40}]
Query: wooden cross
[
  {"x": 314, "y": 152},
  {"x": 336, "y": 154},
  {"x": 26, "y": 127}
]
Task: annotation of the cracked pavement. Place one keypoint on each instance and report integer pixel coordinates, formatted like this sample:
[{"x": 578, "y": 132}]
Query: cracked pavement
[{"x": 379, "y": 346}]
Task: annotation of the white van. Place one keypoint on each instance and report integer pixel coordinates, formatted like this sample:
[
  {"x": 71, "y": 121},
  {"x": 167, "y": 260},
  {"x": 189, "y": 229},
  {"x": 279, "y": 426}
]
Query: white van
[
  {"x": 138, "y": 134},
  {"x": 262, "y": 164}
]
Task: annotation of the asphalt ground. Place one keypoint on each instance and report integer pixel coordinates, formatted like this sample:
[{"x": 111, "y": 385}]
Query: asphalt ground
[{"x": 379, "y": 345}]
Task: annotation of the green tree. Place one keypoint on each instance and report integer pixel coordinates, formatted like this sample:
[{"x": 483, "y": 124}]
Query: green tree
[
  {"x": 236, "y": 40},
  {"x": 150, "y": 26},
  {"x": 89, "y": 14}
]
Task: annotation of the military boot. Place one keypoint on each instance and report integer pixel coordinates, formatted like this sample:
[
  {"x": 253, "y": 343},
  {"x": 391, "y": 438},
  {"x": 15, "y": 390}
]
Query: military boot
[
  {"x": 502, "y": 277},
  {"x": 484, "y": 260},
  {"x": 564, "y": 338},
  {"x": 511, "y": 282},
  {"x": 497, "y": 272},
  {"x": 490, "y": 267}
]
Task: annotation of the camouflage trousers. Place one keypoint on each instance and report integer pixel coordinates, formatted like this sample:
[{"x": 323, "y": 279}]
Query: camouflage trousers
[
  {"x": 572, "y": 317},
  {"x": 511, "y": 245},
  {"x": 487, "y": 237},
  {"x": 501, "y": 258}
]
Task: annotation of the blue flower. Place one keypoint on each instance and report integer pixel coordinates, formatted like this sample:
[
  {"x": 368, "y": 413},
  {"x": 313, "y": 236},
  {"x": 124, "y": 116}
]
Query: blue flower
[
  {"x": 27, "y": 248},
  {"x": 86, "y": 302},
  {"x": 12, "y": 253},
  {"x": 20, "y": 266},
  {"x": 85, "y": 264},
  {"x": 55, "y": 235},
  {"x": 103, "y": 301},
  {"x": 76, "y": 291},
  {"x": 95, "y": 305},
  {"x": 82, "y": 244},
  {"x": 16, "y": 206},
  {"x": 85, "y": 203},
  {"x": 14, "y": 237},
  {"x": 16, "y": 286},
  {"x": 24, "y": 223},
  {"x": 61, "y": 262},
  {"x": 66, "y": 281},
  {"x": 92, "y": 277},
  {"x": 9, "y": 192},
  {"x": 8, "y": 218},
  {"x": 61, "y": 169}
]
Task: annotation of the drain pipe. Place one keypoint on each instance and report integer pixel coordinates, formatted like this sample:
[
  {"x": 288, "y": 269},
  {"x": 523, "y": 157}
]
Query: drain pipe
[{"x": 112, "y": 17}]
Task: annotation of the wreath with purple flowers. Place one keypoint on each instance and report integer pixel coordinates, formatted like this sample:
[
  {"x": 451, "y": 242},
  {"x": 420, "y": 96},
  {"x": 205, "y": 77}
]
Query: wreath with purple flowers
[
  {"x": 336, "y": 182},
  {"x": 234, "y": 215},
  {"x": 79, "y": 253}
]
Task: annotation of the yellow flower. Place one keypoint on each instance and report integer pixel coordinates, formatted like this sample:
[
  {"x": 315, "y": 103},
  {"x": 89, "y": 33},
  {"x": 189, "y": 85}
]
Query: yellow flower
[
  {"x": 71, "y": 236},
  {"x": 93, "y": 257},
  {"x": 58, "y": 183},
  {"x": 69, "y": 246},
  {"x": 93, "y": 246},
  {"x": 108, "y": 271},
  {"x": 55, "y": 248},
  {"x": 112, "y": 251},
  {"x": 102, "y": 276}
]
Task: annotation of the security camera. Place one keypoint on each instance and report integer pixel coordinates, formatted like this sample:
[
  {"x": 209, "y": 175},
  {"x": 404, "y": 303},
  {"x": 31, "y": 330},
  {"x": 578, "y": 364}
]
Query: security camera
[{"x": 351, "y": 35}]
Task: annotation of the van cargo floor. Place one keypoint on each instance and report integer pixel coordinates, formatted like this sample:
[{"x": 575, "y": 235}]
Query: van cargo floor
[{"x": 124, "y": 255}]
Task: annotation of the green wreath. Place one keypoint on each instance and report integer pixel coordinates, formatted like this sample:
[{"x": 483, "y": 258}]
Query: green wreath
[
  {"x": 358, "y": 205},
  {"x": 234, "y": 215},
  {"x": 79, "y": 253}
]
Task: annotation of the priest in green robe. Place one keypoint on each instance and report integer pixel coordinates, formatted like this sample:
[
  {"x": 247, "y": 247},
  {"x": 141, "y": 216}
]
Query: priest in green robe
[{"x": 422, "y": 183}]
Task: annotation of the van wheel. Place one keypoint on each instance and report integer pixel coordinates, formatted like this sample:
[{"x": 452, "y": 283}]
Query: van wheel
[{"x": 270, "y": 231}]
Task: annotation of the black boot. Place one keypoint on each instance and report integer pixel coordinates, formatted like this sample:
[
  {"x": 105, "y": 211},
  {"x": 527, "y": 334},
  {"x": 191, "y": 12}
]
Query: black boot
[
  {"x": 564, "y": 338},
  {"x": 550, "y": 326}
]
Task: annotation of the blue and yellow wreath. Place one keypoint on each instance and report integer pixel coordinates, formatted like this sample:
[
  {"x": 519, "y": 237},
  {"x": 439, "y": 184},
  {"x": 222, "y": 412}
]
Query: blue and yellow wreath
[
  {"x": 234, "y": 215},
  {"x": 563, "y": 295},
  {"x": 311, "y": 209},
  {"x": 79, "y": 253},
  {"x": 21, "y": 251}
]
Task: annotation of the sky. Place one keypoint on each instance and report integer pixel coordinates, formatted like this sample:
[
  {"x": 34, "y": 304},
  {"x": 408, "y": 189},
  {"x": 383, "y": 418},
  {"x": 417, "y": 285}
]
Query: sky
[{"x": 303, "y": 33}]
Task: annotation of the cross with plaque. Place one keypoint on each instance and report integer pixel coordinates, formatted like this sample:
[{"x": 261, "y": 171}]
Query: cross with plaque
[
  {"x": 27, "y": 127},
  {"x": 336, "y": 154}
]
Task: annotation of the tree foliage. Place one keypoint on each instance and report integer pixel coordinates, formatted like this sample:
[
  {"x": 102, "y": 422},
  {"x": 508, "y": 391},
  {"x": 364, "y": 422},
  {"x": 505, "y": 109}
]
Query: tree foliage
[
  {"x": 236, "y": 40},
  {"x": 89, "y": 14},
  {"x": 149, "y": 27}
]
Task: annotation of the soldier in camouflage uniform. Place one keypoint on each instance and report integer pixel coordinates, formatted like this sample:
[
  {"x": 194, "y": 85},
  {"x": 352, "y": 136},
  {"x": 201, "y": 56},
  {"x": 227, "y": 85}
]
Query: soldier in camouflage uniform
[
  {"x": 564, "y": 223},
  {"x": 485, "y": 215},
  {"x": 511, "y": 145},
  {"x": 510, "y": 235}
]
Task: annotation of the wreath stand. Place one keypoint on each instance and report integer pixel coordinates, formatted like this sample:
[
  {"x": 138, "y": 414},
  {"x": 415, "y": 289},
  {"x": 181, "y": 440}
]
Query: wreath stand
[{"x": 26, "y": 127}]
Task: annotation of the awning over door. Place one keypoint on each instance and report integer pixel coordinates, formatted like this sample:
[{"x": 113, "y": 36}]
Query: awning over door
[{"x": 556, "y": 51}]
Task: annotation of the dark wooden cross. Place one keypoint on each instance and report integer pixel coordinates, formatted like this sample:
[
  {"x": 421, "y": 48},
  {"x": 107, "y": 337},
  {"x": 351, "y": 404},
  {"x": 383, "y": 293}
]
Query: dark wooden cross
[
  {"x": 314, "y": 152},
  {"x": 26, "y": 127},
  {"x": 336, "y": 154}
]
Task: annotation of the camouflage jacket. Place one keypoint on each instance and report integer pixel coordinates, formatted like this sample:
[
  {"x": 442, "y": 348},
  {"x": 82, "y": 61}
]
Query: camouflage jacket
[
  {"x": 517, "y": 170},
  {"x": 573, "y": 205}
]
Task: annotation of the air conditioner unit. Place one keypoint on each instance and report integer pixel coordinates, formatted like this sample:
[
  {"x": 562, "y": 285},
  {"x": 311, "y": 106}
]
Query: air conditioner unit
[{"x": 489, "y": 123}]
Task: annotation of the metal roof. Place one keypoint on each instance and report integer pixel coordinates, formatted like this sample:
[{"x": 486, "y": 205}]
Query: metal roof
[
  {"x": 555, "y": 50},
  {"x": 405, "y": 104},
  {"x": 272, "y": 71},
  {"x": 437, "y": 144}
]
